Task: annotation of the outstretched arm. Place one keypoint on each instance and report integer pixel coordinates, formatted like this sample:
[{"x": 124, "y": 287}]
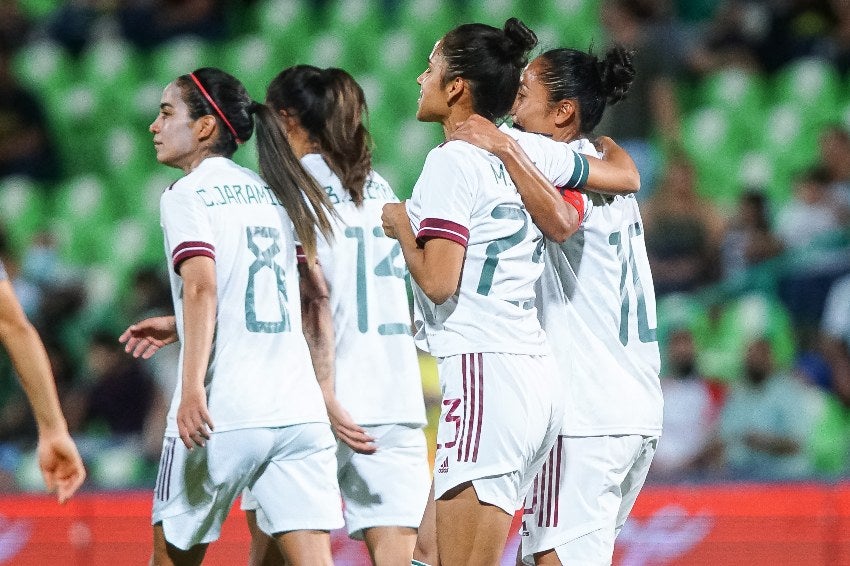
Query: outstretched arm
[
  {"x": 318, "y": 328},
  {"x": 58, "y": 457}
]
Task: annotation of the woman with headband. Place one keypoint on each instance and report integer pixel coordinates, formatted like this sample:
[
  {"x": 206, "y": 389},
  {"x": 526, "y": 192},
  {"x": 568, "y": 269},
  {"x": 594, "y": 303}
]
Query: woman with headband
[{"x": 248, "y": 410}]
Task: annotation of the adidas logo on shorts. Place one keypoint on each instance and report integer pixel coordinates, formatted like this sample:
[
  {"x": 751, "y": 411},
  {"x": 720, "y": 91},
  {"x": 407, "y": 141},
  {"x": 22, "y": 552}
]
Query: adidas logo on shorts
[{"x": 444, "y": 467}]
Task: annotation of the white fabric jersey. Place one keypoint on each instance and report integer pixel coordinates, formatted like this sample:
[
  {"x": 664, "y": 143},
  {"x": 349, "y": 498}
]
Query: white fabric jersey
[
  {"x": 597, "y": 305},
  {"x": 464, "y": 194},
  {"x": 377, "y": 372},
  {"x": 260, "y": 373}
]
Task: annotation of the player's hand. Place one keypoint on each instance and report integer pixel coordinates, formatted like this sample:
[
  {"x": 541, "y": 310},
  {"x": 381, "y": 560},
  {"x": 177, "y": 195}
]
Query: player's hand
[
  {"x": 60, "y": 463},
  {"x": 344, "y": 427},
  {"x": 144, "y": 338},
  {"x": 392, "y": 215},
  {"x": 194, "y": 423},
  {"x": 604, "y": 145},
  {"x": 480, "y": 132}
]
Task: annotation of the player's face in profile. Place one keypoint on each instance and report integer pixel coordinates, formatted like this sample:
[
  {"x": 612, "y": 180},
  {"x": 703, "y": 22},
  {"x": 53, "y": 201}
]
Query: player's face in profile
[
  {"x": 174, "y": 137},
  {"x": 532, "y": 111},
  {"x": 432, "y": 100}
]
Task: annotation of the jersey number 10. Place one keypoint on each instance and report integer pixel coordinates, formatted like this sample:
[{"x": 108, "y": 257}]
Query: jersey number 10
[{"x": 645, "y": 333}]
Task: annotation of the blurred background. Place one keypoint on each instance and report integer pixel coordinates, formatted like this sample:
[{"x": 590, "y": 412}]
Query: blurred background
[{"x": 739, "y": 120}]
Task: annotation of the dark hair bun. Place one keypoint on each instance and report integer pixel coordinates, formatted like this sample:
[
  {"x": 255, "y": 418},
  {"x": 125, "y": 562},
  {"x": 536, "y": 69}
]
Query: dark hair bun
[
  {"x": 617, "y": 73},
  {"x": 521, "y": 39}
]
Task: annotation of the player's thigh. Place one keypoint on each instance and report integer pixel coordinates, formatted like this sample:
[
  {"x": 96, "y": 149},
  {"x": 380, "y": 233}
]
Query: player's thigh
[
  {"x": 388, "y": 488},
  {"x": 470, "y": 531},
  {"x": 499, "y": 411},
  {"x": 195, "y": 489},
  {"x": 298, "y": 489}
]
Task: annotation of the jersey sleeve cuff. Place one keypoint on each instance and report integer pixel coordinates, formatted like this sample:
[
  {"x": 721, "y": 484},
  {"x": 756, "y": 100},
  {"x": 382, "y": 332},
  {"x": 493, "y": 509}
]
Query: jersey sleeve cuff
[
  {"x": 300, "y": 255},
  {"x": 431, "y": 228},
  {"x": 191, "y": 249},
  {"x": 581, "y": 169}
]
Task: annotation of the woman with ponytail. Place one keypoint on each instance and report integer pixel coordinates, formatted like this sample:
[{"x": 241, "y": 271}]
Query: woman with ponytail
[
  {"x": 248, "y": 411},
  {"x": 374, "y": 396},
  {"x": 596, "y": 302},
  {"x": 474, "y": 254}
]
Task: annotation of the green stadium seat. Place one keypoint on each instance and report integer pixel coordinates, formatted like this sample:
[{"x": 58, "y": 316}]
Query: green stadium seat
[
  {"x": 127, "y": 156},
  {"x": 77, "y": 115},
  {"x": 287, "y": 25},
  {"x": 22, "y": 209},
  {"x": 44, "y": 66},
  {"x": 495, "y": 12},
  {"x": 254, "y": 61},
  {"x": 789, "y": 138},
  {"x": 812, "y": 86},
  {"x": 142, "y": 105},
  {"x": 737, "y": 91},
  {"x": 711, "y": 140},
  {"x": 181, "y": 56},
  {"x": 759, "y": 170},
  {"x": 112, "y": 65},
  {"x": 577, "y": 21},
  {"x": 428, "y": 20},
  {"x": 81, "y": 211}
]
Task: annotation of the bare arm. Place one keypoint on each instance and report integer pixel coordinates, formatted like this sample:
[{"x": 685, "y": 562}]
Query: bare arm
[
  {"x": 59, "y": 460},
  {"x": 200, "y": 301},
  {"x": 317, "y": 324},
  {"x": 436, "y": 266}
]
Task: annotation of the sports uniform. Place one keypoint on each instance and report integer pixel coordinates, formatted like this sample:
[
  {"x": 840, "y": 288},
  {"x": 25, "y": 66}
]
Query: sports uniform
[
  {"x": 271, "y": 427},
  {"x": 377, "y": 372},
  {"x": 597, "y": 305},
  {"x": 502, "y": 402}
]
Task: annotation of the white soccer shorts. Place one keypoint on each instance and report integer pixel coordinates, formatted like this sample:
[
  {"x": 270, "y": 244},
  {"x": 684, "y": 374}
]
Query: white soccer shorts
[
  {"x": 583, "y": 496},
  {"x": 500, "y": 416},
  {"x": 290, "y": 470}
]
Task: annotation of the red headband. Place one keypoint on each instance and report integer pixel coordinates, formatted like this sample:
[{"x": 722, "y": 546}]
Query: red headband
[{"x": 215, "y": 107}]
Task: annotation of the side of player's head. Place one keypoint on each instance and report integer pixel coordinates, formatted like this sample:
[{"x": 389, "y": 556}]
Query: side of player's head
[
  {"x": 570, "y": 74},
  {"x": 490, "y": 60}
]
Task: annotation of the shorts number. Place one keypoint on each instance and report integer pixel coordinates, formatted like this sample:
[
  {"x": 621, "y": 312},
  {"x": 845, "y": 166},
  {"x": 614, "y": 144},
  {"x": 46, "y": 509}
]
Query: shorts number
[
  {"x": 265, "y": 259},
  {"x": 385, "y": 268},
  {"x": 627, "y": 260},
  {"x": 451, "y": 417}
]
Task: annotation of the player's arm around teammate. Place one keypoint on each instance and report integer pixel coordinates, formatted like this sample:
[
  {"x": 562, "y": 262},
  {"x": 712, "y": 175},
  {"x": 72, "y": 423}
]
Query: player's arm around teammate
[{"x": 58, "y": 458}]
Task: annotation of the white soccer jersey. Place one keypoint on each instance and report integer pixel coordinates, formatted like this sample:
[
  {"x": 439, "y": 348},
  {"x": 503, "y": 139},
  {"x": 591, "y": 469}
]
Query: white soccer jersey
[
  {"x": 464, "y": 194},
  {"x": 377, "y": 372},
  {"x": 597, "y": 305},
  {"x": 260, "y": 372}
]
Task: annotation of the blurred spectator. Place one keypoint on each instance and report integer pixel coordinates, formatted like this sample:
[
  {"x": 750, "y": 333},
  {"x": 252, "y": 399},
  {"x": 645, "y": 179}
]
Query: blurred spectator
[
  {"x": 766, "y": 422},
  {"x": 836, "y": 45},
  {"x": 148, "y": 23},
  {"x": 835, "y": 336},
  {"x": 651, "y": 108},
  {"x": 28, "y": 294},
  {"x": 749, "y": 240},
  {"x": 683, "y": 231},
  {"x": 834, "y": 142},
  {"x": 14, "y": 26},
  {"x": 733, "y": 37},
  {"x": 115, "y": 394},
  {"x": 692, "y": 407},
  {"x": 813, "y": 211},
  {"x": 795, "y": 30},
  {"x": 25, "y": 146}
]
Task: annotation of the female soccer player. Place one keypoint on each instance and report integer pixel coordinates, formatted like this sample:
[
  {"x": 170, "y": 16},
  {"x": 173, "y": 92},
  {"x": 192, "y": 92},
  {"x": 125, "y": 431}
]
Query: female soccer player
[
  {"x": 248, "y": 411},
  {"x": 597, "y": 305},
  {"x": 375, "y": 401},
  {"x": 474, "y": 256}
]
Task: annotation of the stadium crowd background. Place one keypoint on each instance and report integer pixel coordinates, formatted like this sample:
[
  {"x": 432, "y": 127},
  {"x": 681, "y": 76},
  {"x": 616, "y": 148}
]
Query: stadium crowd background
[{"x": 739, "y": 122}]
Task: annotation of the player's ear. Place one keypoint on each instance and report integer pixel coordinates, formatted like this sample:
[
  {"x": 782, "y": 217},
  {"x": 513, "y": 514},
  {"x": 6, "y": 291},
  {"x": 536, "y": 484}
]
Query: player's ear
[
  {"x": 566, "y": 112},
  {"x": 205, "y": 126}
]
